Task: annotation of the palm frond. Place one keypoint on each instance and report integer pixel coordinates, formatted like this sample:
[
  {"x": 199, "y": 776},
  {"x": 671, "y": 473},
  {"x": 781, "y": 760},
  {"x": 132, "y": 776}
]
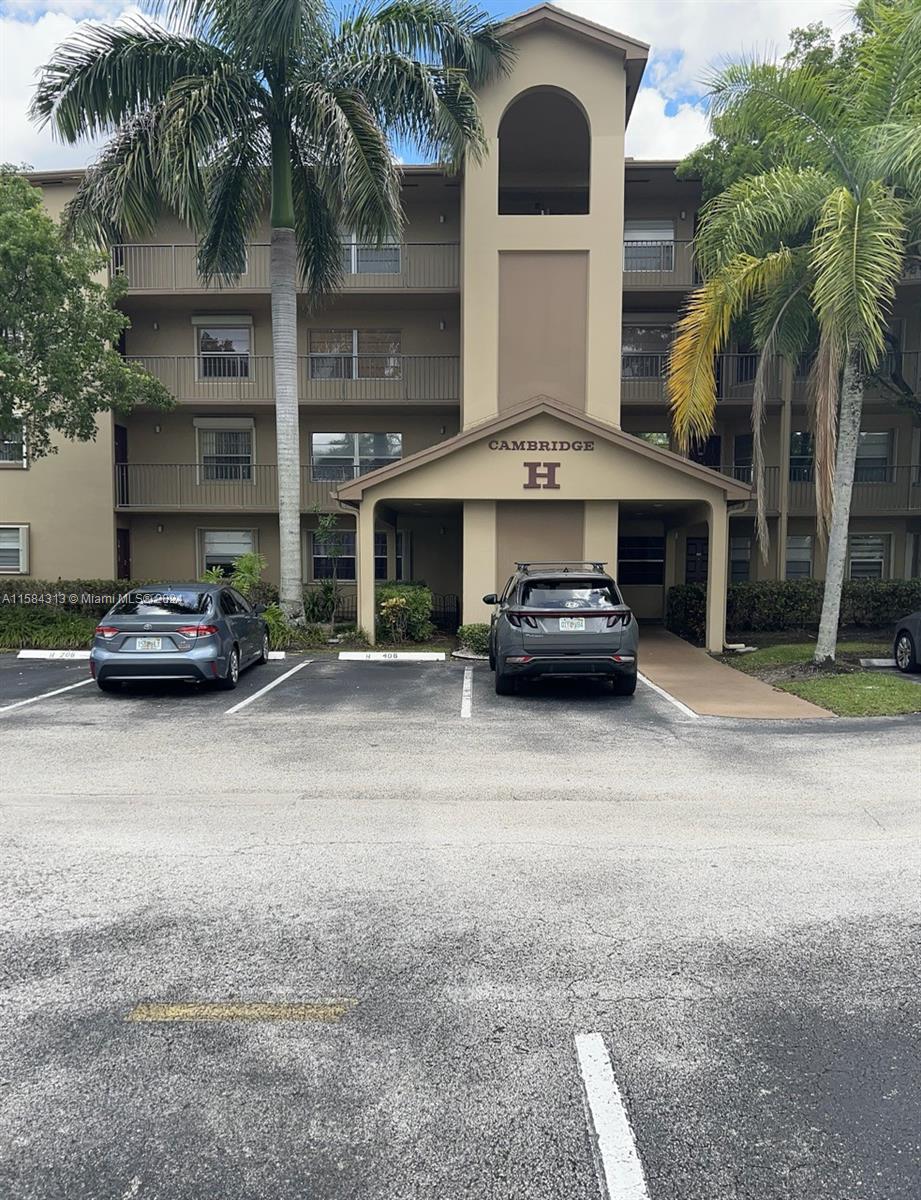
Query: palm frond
[
  {"x": 886, "y": 80},
  {"x": 857, "y": 254},
  {"x": 701, "y": 333},
  {"x": 893, "y": 152},
  {"x": 756, "y": 212},
  {"x": 237, "y": 189},
  {"x": 106, "y": 74},
  {"x": 317, "y": 229}
]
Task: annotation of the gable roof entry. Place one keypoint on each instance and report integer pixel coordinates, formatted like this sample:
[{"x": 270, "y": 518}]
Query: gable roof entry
[
  {"x": 352, "y": 491},
  {"x": 634, "y": 52}
]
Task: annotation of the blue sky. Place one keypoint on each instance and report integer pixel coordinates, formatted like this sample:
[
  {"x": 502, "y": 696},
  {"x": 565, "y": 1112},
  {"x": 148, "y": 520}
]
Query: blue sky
[{"x": 688, "y": 38}]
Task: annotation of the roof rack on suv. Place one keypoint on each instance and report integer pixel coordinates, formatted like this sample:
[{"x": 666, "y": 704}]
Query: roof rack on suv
[{"x": 564, "y": 563}]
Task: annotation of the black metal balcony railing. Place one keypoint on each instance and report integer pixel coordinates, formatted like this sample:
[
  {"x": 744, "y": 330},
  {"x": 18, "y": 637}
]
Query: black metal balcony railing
[
  {"x": 655, "y": 264},
  {"x": 321, "y": 378},
  {"x": 173, "y": 267}
]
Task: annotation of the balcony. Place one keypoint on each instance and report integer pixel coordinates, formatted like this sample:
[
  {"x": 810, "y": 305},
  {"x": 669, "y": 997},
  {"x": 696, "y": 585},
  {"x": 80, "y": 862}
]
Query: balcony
[
  {"x": 771, "y": 487},
  {"x": 643, "y": 378},
  {"x": 899, "y": 373},
  {"x": 322, "y": 379},
  {"x": 657, "y": 265},
  {"x": 192, "y": 487},
  {"x": 173, "y": 267},
  {"x": 876, "y": 490}
]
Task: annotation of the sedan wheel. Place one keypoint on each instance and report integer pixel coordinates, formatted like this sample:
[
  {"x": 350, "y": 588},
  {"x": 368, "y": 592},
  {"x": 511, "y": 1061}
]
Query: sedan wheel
[
  {"x": 905, "y": 657},
  {"x": 264, "y": 656},
  {"x": 232, "y": 678}
]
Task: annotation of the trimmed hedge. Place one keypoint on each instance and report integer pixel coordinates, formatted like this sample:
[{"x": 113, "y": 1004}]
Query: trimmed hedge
[
  {"x": 778, "y": 605},
  {"x": 474, "y": 638},
  {"x": 417, "y": 610},
  {"x": 24, "y": 628}
]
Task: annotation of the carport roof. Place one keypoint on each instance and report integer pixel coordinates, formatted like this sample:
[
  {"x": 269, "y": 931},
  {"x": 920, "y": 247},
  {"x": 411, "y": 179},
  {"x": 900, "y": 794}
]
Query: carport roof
[{"x": 352, "y": 491}]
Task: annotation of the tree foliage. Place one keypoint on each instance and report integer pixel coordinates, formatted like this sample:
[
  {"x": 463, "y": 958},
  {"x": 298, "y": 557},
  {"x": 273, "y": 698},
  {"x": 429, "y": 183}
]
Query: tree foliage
[{"x": 58, "y": 325}]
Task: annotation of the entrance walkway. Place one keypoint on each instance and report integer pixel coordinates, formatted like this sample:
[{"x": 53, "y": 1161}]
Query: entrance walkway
[{"x": 710, "y": 688}]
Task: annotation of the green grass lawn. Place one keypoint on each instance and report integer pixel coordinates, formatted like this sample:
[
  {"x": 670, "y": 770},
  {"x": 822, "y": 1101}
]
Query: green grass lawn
[
  {"x": 789, "y": 654},
  {"x": 859, "y": 694}
]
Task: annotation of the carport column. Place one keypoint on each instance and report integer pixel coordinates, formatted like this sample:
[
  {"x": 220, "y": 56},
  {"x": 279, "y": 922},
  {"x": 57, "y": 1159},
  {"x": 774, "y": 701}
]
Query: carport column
[
  {"x": 479, "y": 559},
  {"x": 599, "y": 535},
  {"x": 365, "y": 567},
  {"x": 717, "y": 570}
]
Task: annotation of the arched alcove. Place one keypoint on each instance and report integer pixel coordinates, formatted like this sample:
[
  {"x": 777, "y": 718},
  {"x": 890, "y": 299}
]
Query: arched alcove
[{"x": 544, "y": 155}]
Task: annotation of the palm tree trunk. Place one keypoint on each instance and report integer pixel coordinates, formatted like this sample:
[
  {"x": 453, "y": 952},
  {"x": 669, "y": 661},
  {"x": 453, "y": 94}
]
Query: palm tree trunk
[
  {"x": 283, "y": 276},
  {"x": 845, "y": 464}
]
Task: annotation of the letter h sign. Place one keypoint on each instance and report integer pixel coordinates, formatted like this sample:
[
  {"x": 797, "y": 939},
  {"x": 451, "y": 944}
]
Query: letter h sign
[{"x": 541, "y": 475}]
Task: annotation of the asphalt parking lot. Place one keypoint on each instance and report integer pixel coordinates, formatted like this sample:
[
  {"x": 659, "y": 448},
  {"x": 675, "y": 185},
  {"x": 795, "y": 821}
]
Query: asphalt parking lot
[{"x": 457, "y": 889}]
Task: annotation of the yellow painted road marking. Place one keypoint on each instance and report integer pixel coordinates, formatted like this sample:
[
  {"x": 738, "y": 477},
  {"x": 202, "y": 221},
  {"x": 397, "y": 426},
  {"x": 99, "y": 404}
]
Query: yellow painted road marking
[{"x": 315, "y": 1010}]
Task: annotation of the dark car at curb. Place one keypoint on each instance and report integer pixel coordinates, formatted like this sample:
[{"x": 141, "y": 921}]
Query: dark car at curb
[
  {"x": 562, "y": 619},
  {"x": 197, "y": 632},
  {"x": 906, "y": 643}
]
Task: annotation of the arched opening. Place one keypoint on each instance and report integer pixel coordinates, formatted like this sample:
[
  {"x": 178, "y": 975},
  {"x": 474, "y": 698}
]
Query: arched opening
[{"x": 544, "y": 156}]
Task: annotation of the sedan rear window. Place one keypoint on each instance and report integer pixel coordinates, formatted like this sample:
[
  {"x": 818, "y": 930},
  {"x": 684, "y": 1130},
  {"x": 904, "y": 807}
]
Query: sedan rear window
[
  {"x": 569, "y": 593},
  {"x": 181, "y": 602}
]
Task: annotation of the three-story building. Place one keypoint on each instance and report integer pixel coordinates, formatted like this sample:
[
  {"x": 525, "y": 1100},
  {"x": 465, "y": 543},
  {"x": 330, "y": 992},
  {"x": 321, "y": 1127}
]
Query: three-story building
[{"x": 489, "y": 389}]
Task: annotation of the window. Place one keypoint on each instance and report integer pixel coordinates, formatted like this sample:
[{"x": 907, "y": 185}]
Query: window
[
  {"x": 873, "y": 458},
  {"x": 380, "y": 554},
  {"x": 403, "y": 556},
  {"x": 223, "y": 346},
  {"x": 355, "y": 354},
  {"x": 569, "y": 593},
  {"x": 177, "y": 602},
  {"x": 335, "y": 553},
  {"x": 644, "y": 351},
  {"x": 221, "y": 546},
  {"x": 338, "y": 456},
  {"x": 360, "y": 258},
  {"x": 641, "y": 560},
  {"x": 801, "y": 457},
  {"x": 649, "y": 246},
  {"x": 14, "y": 549},
  {"x": 225, "y": 450},
  {"x": 742, "y": 457},
  {"x": 868, "y": 556},
  {"x": 12, "y": 448},
  {"x": 740, "y": 555},
  {"x": 799, "y": 556}
]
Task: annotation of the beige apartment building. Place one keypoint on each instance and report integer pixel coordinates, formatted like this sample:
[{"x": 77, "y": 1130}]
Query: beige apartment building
[{"x": 490, "y": 389}]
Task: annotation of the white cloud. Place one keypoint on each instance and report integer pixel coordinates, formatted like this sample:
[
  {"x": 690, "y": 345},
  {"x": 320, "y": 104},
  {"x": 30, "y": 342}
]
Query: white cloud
[
  {"x": 687, "y": 39},
  {"x": 26, "y": 44}
]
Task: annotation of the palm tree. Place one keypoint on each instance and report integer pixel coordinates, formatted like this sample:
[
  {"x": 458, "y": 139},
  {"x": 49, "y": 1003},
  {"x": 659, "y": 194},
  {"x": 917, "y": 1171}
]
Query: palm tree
[
  {"x": 256, "y": 103},
  {"x": 810, "y": 252}
]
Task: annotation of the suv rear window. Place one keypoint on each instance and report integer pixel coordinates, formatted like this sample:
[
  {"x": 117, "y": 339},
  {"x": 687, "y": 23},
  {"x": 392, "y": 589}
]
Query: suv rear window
[
  {"x": 569, "y": 593},
  {"x": 155, "y": 603}
]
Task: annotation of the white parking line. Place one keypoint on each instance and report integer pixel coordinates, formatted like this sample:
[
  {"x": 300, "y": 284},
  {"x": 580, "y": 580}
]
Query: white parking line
[
  {"x": 268, "y": 687},
  {"x": 620, "y": 1170},
  {"x": 467, "y": 693},
  {"x": 688, "y": 712},
  {"x": 44, "y": 696}
]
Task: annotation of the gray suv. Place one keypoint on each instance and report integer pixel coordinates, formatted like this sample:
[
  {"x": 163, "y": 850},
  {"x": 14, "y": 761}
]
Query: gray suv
[
  {"x": 202, "y": 632},
  {"x": 562, "y": 618}
]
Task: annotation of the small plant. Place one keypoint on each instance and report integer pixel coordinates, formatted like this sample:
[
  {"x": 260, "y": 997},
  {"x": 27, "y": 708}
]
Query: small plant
[
  {"x": 247, "y": 572},
  {"x": 418, "y": 600},
  {"x": 212, "y": 575},
  {"x": 394, "y": 616},
  {"x": 474, "y": 638}
]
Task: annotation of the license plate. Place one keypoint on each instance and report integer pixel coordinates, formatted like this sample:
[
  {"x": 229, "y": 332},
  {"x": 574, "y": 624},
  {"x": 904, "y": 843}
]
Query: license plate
[
  {"x": 149, "y": 643},
  {"x": 574, "y": 623}
]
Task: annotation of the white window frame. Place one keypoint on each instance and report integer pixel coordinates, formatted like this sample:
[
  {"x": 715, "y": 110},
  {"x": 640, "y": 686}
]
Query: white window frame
[
  {"x": 356, "y": 435},
  {"x": 891, "y": 457},
  {"x": 17, "y": 464},
  {"x": 229, "y": 321},
  {"x": 234, "y": 424},
  {"x": 23, "y": 567},
  {"x": 312, "y": 555},
  {"x": 356, "y": 357},
  {"x": 351, "y": 242},
  {"x": 885, "y": 561},
  {"x": 786, "y": 556},
  {"x": 650, "y": 231},
  {"x": 202, "y": 530}
]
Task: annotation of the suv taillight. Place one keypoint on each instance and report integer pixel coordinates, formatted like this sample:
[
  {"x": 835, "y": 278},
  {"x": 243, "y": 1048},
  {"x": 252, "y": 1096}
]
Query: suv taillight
[
  {"x": 623, "y": 618},
  {"x": 196, "y": 631},
  {"x": 517, "y": 618},
  {"x": 105, "y": 631}
]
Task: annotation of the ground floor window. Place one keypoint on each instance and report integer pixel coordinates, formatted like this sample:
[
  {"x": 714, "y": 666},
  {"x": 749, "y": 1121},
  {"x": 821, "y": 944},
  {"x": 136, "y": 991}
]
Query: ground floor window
[
  {"x": 221, "y": 546},
  {"x": 333, "y": 555},
  {"x": 641, "y": 560},
  {"x": 868, "y": 556},
  {"x": 799, "y": 556},
  {"x": 337, "y": 456},
  {"x": 14, "y": 549},
  {"x": 740, "y": 557}
]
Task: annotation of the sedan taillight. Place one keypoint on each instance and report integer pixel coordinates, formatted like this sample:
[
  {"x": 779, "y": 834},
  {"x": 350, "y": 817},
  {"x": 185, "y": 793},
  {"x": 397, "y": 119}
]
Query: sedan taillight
[
  {"x": 105, "y": 631},
  {"x": 622, "y": 618},
  {"x": 197, "y": 631}
]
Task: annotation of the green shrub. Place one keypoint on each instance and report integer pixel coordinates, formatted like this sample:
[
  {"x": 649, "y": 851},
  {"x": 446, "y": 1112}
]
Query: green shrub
[
  {"x": 321, "y": 601},
  {"x": 45, "y": 628},
  {"x": 415, "y": 620},
  {"x": 474, "y": 638},
  {"x": 789, "y": 604}
]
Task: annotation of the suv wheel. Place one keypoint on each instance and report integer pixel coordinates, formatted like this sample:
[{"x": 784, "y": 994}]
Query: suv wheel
[
  {"x": 232, "y": 678},
  {"x": 906, "y": 656},
  {"x": 506, "y": 684},
  {"x": 624, "y": 685}
]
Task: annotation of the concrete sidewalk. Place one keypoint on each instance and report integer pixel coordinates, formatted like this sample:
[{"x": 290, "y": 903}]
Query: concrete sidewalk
[{"x": 710, "y": 688}]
